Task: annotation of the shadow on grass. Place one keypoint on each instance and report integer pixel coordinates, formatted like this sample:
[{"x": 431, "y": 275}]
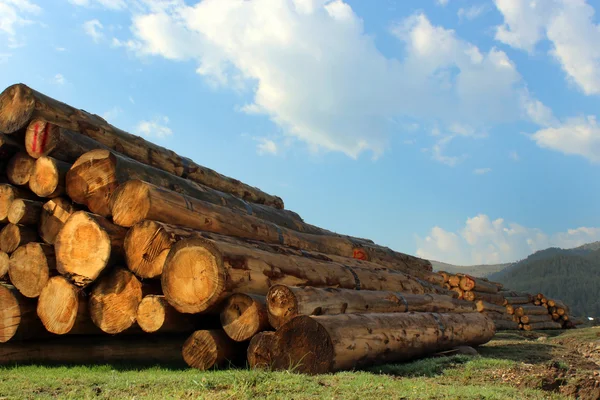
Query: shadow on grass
[
  {"x": 427, "y": 367},
  {"x": 532, "y": 352}
]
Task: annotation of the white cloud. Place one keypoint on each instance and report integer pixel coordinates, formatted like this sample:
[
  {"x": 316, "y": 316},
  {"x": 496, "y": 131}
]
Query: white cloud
[
  {"x": 12, "y": 15},
  {"x": 112, "y": 114},
  {"x": 482, "y": 171},
  {"x": 472, "y": 12},
  {"x": 266, "y": 146},
  {"x": 567, "y": 24},
  {"x": 442, "y": 3},
  {"x": 59, "y": 79},
  {"x": 93, "y": 28},
  {"x": 156, "y": 128},
  {"x": 485, "y": 241},
  {"x": 60, "y": 49},
  {"x": 576, "y": 136},
  {"x": 438, "y": 152},
  {"x": 109, "y": 4},
  {"x": 315, "y": 73},
  {"x": 514, "y": 155}
]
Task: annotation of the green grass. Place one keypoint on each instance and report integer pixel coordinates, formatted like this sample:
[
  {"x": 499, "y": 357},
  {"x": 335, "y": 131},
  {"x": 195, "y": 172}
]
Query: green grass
[{"x": 510, "y": 367}]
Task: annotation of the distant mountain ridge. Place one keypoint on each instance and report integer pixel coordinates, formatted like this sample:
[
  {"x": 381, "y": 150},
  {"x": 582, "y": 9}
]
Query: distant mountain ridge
[{"x": 475, "y": 270}]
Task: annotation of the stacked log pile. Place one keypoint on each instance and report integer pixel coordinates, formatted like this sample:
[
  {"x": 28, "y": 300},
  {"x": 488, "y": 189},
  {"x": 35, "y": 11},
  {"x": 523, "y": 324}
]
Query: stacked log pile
[{"x": 104, "y": 233}]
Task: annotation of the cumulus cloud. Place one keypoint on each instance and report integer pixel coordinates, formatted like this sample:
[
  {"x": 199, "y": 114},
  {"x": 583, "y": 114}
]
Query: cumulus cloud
[
  {"x": 314, "y": 71},
  {"x": 576, "y": 136},
  {"x": 13, "y": 14},
  {"x": 482, "y": 171},
  {"x": 567, "y": 24},
  {"x": 266, "y": 147},
  {"x": 485, "y": 241},
  {"x": 472, "y": 12},
  {"x": 155, "y": 128},
  {"x": 109, "y": 4},
  {"x": 93, "y": 28}
]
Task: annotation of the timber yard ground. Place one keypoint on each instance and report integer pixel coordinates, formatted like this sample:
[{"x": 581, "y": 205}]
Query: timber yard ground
[{"x": 515, "y": 365}]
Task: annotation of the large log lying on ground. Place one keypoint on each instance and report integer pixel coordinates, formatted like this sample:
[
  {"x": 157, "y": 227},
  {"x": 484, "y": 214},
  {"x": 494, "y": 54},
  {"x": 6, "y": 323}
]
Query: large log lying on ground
[
  {"x": 530, "y": 310},
  {"x": 48, "y": 177},
  {"x": 30, "y": 268},
  {"x": 19, "y": 105},
  {"x": 199, "y": 273},
  {"x": 532, "y": 319},
  {"x": 244, "y": 315},
  {"x": 155, "y": 314},
  {"x": 25, "y": 212},
  {"x": 18, "y": 169},
  {"x": 286, "y": 302},
  {"x": 206, "y": 349},
  {"x": 8, "y": 194},
  {"x": 13, "y": 236},
  {"x": 328, "y": 343},
  {"x": 114, "y": 301},
  {"x": 52, "y": 218},
  {"x": 63, "y": 308},
  {"x": 261, "y": 350},
  {"x": 18, "y": 319},
  {"x": 162, "y": 205},
  {"x": 542, "y": 326},
  {"x": 149, "y": 350},
  {"x": 471, "y": 283},
  {"x": 86, "y": 245}
]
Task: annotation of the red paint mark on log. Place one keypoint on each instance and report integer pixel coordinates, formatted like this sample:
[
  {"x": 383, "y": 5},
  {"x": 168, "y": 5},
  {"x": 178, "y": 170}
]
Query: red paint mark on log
[{"x": 360, "y": 254}]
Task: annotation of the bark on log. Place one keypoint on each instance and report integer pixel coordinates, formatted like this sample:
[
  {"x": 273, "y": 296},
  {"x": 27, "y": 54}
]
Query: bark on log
[
  {"x": 502, "y": 325},
  {"x": 148, "y": 350},
  {"x": 489, "y": 297},
  {"x": 286, "y": 302},
  {"x": 18, "y": 169},
  {"x": 485, "y": 306},
  {"x": 20, "y": 104},
  {"x": 63, "y": 308},
  {"x": 13, "y": 236},
  {"x": 86, "y": 245},
  {"x": 162, "y": 205},
  {"x": 4, "y": 264},
  {"x": 48, "y": 177},
  {"x": 468, "y": 282},
  {"x": 18, "y": 319},
  {"x": 496, "y": 316},
  {"x": 30, "y": 268},
  {"x": 530, "y": 310},
  {"x": 518, "y": 300},
  {"x": 542, "y": 326},
  {"x": 199, "y": 273},
  {"x": 53, "y": 216},
  {"x": 513, "y": 293},
  {"x": 244, "y": 315},
  {"x": 25, "y": 212},
  {"x": 260, "y": 350},
  {"x": 531, "y": 319},
  {"x": 8, "y": 194},
  {"x": 148, "y": 243},
  {"x": 155, "y": 315},
  {"x": 330, "y": 343},
  {"x": 206, "y": 349},
  {"x": 114, "y": 301},
  {"x": 9, "y": 147}
]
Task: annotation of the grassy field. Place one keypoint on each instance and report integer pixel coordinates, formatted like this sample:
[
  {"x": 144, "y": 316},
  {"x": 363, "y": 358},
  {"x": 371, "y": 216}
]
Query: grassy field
[{"x": 515, "y": 365}]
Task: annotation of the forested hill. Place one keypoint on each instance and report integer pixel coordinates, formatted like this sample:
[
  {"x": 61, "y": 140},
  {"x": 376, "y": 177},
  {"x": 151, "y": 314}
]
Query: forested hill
[{"x": 570, "y": 275}]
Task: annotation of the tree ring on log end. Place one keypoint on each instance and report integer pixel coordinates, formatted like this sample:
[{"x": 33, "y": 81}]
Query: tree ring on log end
[
  {"x": 130, "y": 203},
  {"x": 151, "y": 314},
  {"x": 147, "y": 246},
  {"x": 281, "y": 305},
  {"x": 29, "y": 270},
  {"x": 10, "y": 314},
  {"x": 58, "y": 305},
  {"x": 45, "y": 177},
  {"x": 16, "y": 108},
  {"x": 240, "y": 317}
]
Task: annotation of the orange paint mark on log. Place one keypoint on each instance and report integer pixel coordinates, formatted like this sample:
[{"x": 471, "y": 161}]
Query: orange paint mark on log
[{"x": 360, "y": 254}]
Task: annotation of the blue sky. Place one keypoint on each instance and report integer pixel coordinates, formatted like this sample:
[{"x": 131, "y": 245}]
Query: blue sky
[{"x": 462, "y": 131}]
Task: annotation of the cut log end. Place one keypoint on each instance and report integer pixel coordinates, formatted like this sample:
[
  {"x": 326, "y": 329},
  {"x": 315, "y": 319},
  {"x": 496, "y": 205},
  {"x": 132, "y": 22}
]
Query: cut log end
[
  {"x": 207, "y": 349},
  {"x": 25, "y": 212},
  {"x": 10, "y": 314},
  {"x": 30, "y": 267},
  {"x": 151, "y": 313},
  {"x": 19, "y": 168},
  {"x": 282, "y": 305},
  {"x": 194, "y": 276},
  {"x": 52, "y": 218},
  {"x": 130, "y": 203},
  {"x": 47, "y": 177},
  {"x": 58, "y": 305},
  {"x": 146, "y": 248},
  {"x": 261, "y": 350},
  {"x": 4, "y": 263},
  {"x": 82, "y": 249},
  {"x": 243, "y": 316},
  {"x": 16, "y": 107},
  {"x": 12, "y": 236},
  {"x": 41, "y": 138}
]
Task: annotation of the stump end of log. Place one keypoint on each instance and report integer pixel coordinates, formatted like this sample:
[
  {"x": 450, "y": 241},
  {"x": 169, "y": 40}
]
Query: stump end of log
[{"x": 16, "y": 108}]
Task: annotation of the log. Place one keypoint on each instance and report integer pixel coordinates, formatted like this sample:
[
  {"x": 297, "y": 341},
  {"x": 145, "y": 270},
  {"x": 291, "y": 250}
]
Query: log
[
  {"x": 502, "y": 325},
  {"x": 468, "y": 282},
  {"x": 162, "y": 205},
  {"x": 4, "y": 264},
  {"x": 244, "y": 315},
  {"x": 513, "y": 293},
  {"x": 18, "y": 169},
  {"x": 447, "y": 286},
  {"x": 148, "y": 243},
  {"x": 63, "y": 308},
  {"x": 206, "y": 349},
  {"x": 555, "y": 316},
  {"x": 48, "y": 177},
  {"x": 286, "y": 302},
  {"x": 530, "y": 310},
  {"x": 19, "y": 105},
  {"x": 328, "y": 343},
  {"x": 445, "y": 276},
  {"x": 461, "y": 293},
  {"x": 485, "y": 306},
  {"x": 561, "y": 311},
  {"x": 542, "y": 326},
  {"x": 260, "y": 350},
  {"x": 530, "y": 319},
  {"x": 9, "y": 147},
  {"x": 493, "y": 298},
  {"x": 558, "y": 304},
  {"x": 18, "y": 320},
  {"x": 54, "y": 214},
  {"x": 469, "y": 296},
  {"x": 454, "y": 280},
  {"x": 8, "y": 194},
  {"x": 496, "y": 316},
  {"x": 199, "y": 273},
  {"x": 13, "y": 236},
  {"x": 518, "y": 300},
  {"x": 96, "y": 174},
  {"x": 25, "y": 212},
  {"x": 114, "y": 301},
  {"x": 98, "y": 350},
  {"x": 155, "y": 315},
  {"x": 30, "y": 268},
  {"x": 510, "y": 309},
  {"x": 86, "y": 245}
]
